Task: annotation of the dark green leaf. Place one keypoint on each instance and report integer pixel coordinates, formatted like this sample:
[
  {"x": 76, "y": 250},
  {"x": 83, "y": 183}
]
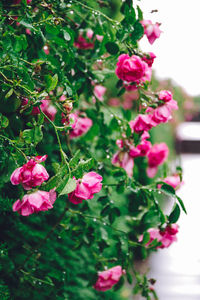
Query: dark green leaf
[
  {"x": 181, "y": 203},
  {"x": 112, "y": 48},
  {"x": 70, "y": 187},
  {"x": 174, "y": 216}
]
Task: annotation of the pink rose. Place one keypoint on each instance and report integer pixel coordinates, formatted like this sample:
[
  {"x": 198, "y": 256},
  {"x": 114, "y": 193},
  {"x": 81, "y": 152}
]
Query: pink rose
[
  {"x": 145, "y": 136},
  {"x": 134, "y": 151},
  {"x": 80, "y": 126},
  {"x": 149, "y": 58},
  {"x": 89, "y": 34},
  {"x": 115, "y": 102},
  {"x": 144, "y": 147},
  {"x": 35, "y": 202},
  {"x": 173, "y": 180},
  {"x": 81, "y": 43},
  {"x": 86, "y": 187},
  {"x": 106, "y": 279},
  {"x": 161, "y": 114},
  {"x": 165, "y": 95},
  {"x": 30, "y": 175},
  {"x": 125, "y": 161},
  {"x": 99, "y": 91},
  {"x": 151, "y": 30},
  {"x": 48, "y": 109},
  {"x": 166, "y": 237},
  {"x": 130, "y": 68},
  {"x": 141, "y": 123},
  {"x": 156, "y": 156}
]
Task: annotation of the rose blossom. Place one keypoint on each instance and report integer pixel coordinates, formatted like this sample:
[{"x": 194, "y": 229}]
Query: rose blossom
[
  {"x": 35, "y": 202},
  {"x": 156, "y": 156},
  {"x": 106, "y": 279},
  {"x": 124, "y": 160},
  {"x": 48, "y": 109},
  {"x": 141, "y": 123},
  {"x": 99, "y": 91},
  {"x": 144, "y": 147},
  {"x": 80, "y": 125},
  {"x": 165, "y": 95},
  {"x": 166, "y": 237},
  {"x": 81, "y": 43},
  {"x": 86, "y": 187},
  {"x": 151, "y": 30},
  {"x": 149, "y": 58},
  {"x": 31, "y": 174},
  {"x": 19, "y": 1},
  {"x": 173, "y": 180},
  {"x": 130, "y": 68}
]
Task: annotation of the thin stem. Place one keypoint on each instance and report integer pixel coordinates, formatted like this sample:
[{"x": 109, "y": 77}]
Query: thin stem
[
  {"x": 97, "y": 12},
  {"x": 57, "y": 135},
  {"x": 6, "y": 78}
]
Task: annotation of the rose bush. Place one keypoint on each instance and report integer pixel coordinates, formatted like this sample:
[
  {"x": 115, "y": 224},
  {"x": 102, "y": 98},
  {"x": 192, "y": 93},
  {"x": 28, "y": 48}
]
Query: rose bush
[{"x": 75, "y": 87}]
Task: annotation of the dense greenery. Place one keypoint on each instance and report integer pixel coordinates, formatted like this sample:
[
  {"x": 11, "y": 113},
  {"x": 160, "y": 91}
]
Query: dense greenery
[{"x": 57, "y": 254}]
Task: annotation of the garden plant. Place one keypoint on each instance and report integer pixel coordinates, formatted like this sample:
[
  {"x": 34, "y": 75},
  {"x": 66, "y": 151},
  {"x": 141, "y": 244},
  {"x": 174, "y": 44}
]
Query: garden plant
[{"x": 83, "y": 187}]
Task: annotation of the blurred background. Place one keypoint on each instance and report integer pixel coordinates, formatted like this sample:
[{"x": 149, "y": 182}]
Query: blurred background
[{"x": 176, "y": 67}]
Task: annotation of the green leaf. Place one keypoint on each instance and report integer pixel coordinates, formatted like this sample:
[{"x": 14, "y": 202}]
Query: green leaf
[
  {"x": 146, "y": 238},
  {"x": 33, "y": 135},
  {"x": 4, "y": 122},
  {"x": 181, "y": 204},
  {"x": 52, "y": 29},
  {"x": 168, "y": 189},
  {"x": 70, "y": 187},
  {"x": 55, "y": 181},
  {"x": 73, "y": 162},
  {"x": 112, "y": 48},
  {"x": 140, "y": 13},
  {"x": 121, "y": 92},
  {"x": 129, "y": 278},
  {"x": 105, "y": 211},
  {"x": 174, "y": 216},
  {"x": 51, "y": 82},
  {"x": 9, "y": 93},
  {"x": 138, "y": 31}
]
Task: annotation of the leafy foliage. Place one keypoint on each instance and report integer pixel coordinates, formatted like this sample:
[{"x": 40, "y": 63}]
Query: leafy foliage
[{"x": 57, "y": 254}]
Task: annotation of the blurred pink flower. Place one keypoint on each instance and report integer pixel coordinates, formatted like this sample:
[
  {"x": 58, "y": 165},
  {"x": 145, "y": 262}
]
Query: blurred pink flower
[
  {"x": 156, "y": 156},
  {"x": 124, "y": 160},
  {"x": 31, "y": 174},
  {"x": 35, "y": 202},
  {"x": 86, "y": 187},
  {"x": 80, "y": 125},
  {"x": 106, "y": 279},
  {"x": 99, "y": 91},
  {"x": 151, "y": 30}
]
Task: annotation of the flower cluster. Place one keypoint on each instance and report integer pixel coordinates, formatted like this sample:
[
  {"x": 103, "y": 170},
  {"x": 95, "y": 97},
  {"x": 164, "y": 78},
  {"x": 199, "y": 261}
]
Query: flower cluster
[
  {"x": 31, "y": 175},
  {"x": 165, "y": 237}
]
